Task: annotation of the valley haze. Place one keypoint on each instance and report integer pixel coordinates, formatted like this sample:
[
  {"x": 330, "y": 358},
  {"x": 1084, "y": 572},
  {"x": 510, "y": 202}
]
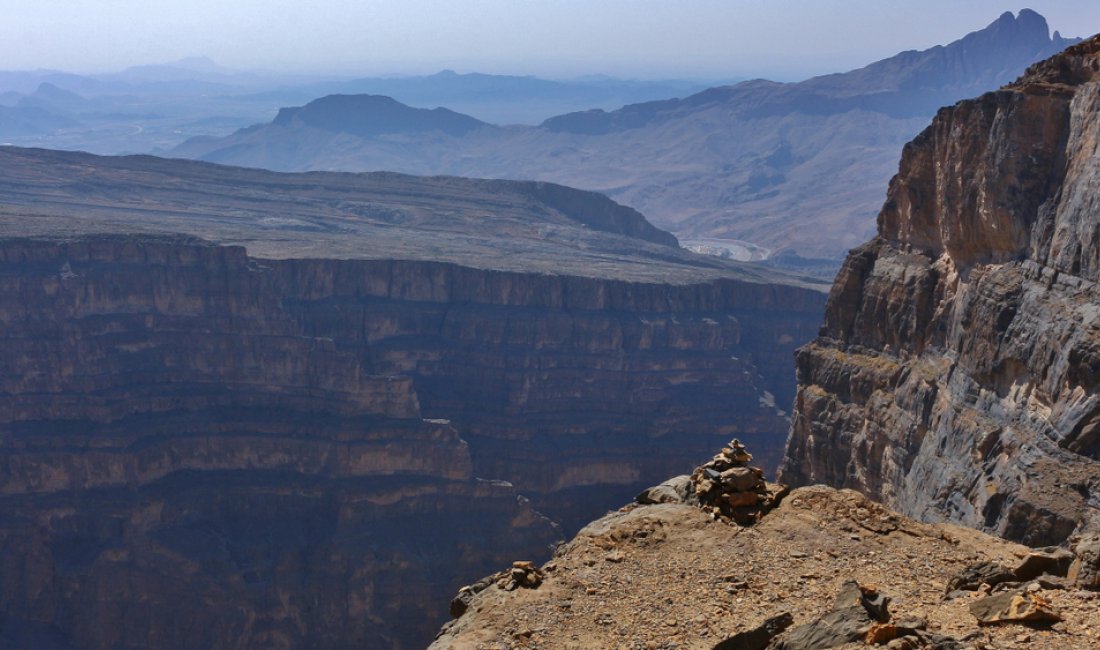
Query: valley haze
[{"x": 323, "y": 321}]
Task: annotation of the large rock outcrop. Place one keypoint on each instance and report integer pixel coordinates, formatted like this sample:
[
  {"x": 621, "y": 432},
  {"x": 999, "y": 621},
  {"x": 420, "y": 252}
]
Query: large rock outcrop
[
  {"x": 826, "y": 569},
  {"x": 957, "y": 373},
  {"x": 297, "y": 432}
]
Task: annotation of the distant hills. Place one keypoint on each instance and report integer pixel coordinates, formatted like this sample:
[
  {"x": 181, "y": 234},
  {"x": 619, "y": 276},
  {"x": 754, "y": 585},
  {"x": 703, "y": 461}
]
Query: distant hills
[
  {"x": 499, "y": 99},
  {"x": 372, "y": 115},
  {"x": 752, "y": 169},
  {"x": 152, "y": 108}
]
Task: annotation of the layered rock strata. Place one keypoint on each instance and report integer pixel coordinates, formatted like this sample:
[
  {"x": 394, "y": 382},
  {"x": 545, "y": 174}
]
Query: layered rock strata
[
  {"x": 248, "y": 409},
  {"x": 185, "y": 464},
  {"x": 199, "y": 448},
  {"x": 957, "y": 373}
]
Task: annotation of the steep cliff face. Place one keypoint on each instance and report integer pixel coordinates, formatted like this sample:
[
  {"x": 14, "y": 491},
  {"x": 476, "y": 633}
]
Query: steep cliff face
[
  {"x": 184, "y": 464},
  {"x": 957, "y": 374},
  {"x": 247, "y": 409},
  {"x": 202, "y": 449}
]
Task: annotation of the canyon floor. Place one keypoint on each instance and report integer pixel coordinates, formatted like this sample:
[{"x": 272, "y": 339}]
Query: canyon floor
[{"x": 668, "y": 576}]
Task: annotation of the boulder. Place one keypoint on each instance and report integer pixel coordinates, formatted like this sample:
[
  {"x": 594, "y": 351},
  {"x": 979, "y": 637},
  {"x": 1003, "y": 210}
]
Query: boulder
[
  {"x": 976, "y": 575},
  {"x": 857, "y": 611},
  {"x": 674, "y": 490},
  {"x": 1052, "y": 561},
  {"x": 759, "y": 637},
  {"x": 1013, "y": 607}
]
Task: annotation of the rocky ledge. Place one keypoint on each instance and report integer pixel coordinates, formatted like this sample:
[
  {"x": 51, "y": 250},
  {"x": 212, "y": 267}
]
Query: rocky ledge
[
  {"x": 826, "y": 569},
  {"x": 957, "y": 374}
]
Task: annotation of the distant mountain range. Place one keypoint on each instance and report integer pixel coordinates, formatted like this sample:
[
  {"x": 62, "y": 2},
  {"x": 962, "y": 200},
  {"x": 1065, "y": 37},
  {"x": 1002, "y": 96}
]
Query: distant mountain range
[
  {"x": 372, "y": 115},
  {"x": 751, "y": 169},
  {"x": 151, "y": 108},
  {"x": 499, "y": 99}
]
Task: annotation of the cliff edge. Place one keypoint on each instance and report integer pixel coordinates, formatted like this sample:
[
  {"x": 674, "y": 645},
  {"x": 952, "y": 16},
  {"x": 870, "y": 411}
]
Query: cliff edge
[
  {"x": 957, "y": 373},
  {"x": 826, "y": 569}
]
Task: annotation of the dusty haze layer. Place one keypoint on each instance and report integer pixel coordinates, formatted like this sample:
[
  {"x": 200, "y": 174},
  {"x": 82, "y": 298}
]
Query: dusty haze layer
[{"x": 783, "y": 167}]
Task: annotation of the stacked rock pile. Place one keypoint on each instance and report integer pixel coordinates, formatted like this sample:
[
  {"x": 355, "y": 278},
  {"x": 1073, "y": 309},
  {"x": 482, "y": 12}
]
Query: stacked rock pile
[
  {"x": 523, "y": 574},
  {"x": 732, "y": 490}
]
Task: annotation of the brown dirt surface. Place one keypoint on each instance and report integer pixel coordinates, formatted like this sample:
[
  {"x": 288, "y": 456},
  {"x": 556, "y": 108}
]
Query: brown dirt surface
[{"x": 668, "y": 576}]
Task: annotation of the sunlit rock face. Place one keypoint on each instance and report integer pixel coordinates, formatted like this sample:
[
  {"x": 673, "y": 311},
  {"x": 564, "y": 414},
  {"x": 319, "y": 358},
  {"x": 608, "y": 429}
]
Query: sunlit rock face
[{"x": 957, "y": 374}]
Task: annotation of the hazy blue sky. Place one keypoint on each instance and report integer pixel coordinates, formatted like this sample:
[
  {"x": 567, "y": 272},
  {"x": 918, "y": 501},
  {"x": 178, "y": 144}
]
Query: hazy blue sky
[{"x": 643, "y": 38}]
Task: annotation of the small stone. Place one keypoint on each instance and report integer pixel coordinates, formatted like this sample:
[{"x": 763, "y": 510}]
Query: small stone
[
  {"x": 704, "y": 487},
  {"x": 975, "y": 575},
  {"x": 614, "y": 557},
  {"x": 1050, "y": 582},
  {"x": 1013, "y": 607},
  {"x": 759, "y": 637},
  {"x": 740, "y": 499},
  {"x": 1084, "y": 572},
  {"x": 739, "y": 479},
  {"x": 881, "y": 633}
]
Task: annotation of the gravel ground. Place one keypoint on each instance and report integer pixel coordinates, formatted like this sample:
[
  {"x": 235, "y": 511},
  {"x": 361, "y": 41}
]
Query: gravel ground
[{"x": 667, "y": 576}]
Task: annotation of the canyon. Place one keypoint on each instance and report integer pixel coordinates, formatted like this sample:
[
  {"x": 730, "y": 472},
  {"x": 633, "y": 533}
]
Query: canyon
[
  {"x": 246, "y": 408},
  {"x": 956, "y": 380}
]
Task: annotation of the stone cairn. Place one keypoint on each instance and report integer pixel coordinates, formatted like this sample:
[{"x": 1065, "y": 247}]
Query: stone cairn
[
  {"x": 731, "y": 490},
  {"x": 523, "y": 574}
]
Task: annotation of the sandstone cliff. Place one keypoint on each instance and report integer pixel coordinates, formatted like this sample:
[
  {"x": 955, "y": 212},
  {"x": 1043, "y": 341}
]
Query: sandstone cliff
[
  {"x": 957, "y": 374},
  {"x": 210, "y": 445}
]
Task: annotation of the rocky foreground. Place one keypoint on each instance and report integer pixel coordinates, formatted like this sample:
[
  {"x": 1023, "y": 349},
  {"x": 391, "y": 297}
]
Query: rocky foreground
[{"x": 827, "y": 568}]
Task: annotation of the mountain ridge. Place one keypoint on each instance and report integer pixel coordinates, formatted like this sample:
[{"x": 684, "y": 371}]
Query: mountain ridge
[{"x": 790, "y": 167}]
